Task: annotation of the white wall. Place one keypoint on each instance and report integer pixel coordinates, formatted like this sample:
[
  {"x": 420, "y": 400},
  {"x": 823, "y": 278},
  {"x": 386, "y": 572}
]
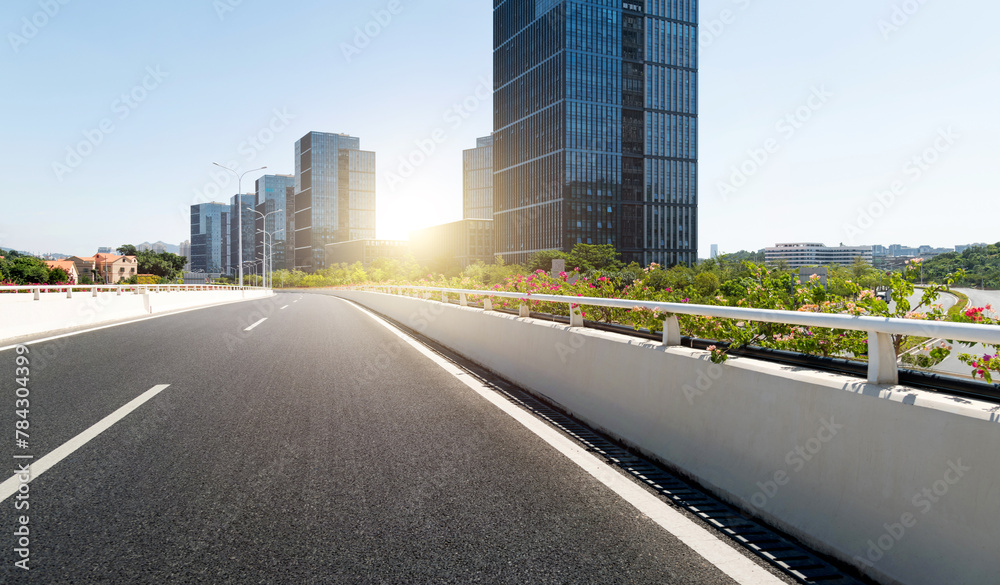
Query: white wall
[
  {"x": 21, "y": 315},
  {"x": 837, "y": 462}
]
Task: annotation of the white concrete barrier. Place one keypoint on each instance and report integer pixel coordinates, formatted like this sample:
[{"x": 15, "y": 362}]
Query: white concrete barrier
[
  {"x": 22, "y": 315},
  {"x": 899, "y": 482}
]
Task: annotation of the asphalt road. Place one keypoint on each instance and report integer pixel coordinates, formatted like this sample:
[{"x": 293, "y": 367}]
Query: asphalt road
[{"x": 311, "y": 449}]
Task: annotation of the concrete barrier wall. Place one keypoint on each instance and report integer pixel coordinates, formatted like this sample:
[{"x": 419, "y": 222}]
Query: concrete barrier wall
[
  {"x": 21, "y": 315},
  {"x": 898, "y": 482}
]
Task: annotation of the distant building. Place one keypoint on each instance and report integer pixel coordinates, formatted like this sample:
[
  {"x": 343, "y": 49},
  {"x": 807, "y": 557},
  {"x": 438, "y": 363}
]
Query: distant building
[
  {"x": 366, "y": 251},
  {"x": 965, "y": 247},
  {"x": 715, "y": 251},
  {"x": 462, "y": 242},
  {"x": 112, "y": 268},
  {"x": 185, "y": 251},
  {"x": 249, "y": 219},
  {"x": 811, "y": 254},
  {"x": 69, "y": 266},
  {"x": 105, "y": 250},
  {"x": 477, "y": 180},
  {"x": 276, "y": 199},
  {"x": 334, "y": 195},
  {"x": 210, "y": 238}
]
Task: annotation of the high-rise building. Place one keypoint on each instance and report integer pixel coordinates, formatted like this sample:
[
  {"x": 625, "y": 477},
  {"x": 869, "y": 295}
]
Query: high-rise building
[
  {"x": 715, "y": 251},
  {"x": 210, "y": 237},
  {"x": 454, "y": 245},
  {"x": 276, "y": 199},
  {"x": 185, "y": 250},
  {"x": 334, "y": 195},
  {"x": 595, "y": 127},
  {"x": 248, "y": 217},
  {"x": 477, "y": 180}
]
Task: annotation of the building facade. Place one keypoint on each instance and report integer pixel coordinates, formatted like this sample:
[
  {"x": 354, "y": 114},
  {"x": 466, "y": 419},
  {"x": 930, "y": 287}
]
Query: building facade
[
  {"x": 334, "y": 195},
  {"x": 812, "y": 254},
  {"x": 595, "y": 127},
  {"x": 249, "y": 239},
  {"x": 366, "y": 251},
  {"x": 477, "y": 180},
  {"x": 458, "y": 244},
  {"x": 276, "y": 199},
  {"x": 210, "y": 237}
]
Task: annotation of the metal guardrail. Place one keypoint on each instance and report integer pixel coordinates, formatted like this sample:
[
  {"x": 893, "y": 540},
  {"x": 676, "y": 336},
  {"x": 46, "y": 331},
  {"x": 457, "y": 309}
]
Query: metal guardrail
[
  {"x": 118, "y": 289},
  {"x": 882, "y": 367}
]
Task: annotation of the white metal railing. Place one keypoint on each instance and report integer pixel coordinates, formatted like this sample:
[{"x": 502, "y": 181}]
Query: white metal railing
[
  {"x": 882, "y": 367},
  {"x": 118, "y": 289}
]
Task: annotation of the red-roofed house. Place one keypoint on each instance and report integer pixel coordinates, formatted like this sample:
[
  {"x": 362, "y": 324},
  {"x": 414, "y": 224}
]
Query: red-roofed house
[
  {"x": 112, "y": 268},
  {"x": 68, "y": 266}
]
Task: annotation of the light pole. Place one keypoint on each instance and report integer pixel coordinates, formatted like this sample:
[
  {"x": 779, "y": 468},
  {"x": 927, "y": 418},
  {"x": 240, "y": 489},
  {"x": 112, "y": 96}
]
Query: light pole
[
  {"x": 239, "y": 209},
  {"x": 269, "y": 237},
  {"x": 263, "y": 217}
]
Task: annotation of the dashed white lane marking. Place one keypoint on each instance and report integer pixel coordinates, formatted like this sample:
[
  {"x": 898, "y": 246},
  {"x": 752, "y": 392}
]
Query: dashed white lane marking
[
  {"x": 714, "y": 550},
  {"x": 10, "y": 487},
  {"x": 250, "y": 328},
  {"x": 283, "y": 308}
]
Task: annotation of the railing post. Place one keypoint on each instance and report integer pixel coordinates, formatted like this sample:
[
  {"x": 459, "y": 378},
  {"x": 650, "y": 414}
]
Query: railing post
[
  {"x": 38, "y": 291},
  {"x": 523, "y": 310},
  {"x": 882, "y": 368},
  {"x": 575, "y": 316},
  {"x": 487, "y": 304},
  {"x": 462, "y": 300},
  {"x": 93, "y": 291},
  {"x": 69, "y": 292},
  {"x": 671, "y": 331},
  {"x": 444, "y": 297}
]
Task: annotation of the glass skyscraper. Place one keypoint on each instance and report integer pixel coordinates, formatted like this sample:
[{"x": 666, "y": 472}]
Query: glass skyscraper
[
  {"x": 209, "y": 237},
  {"x": 334, "y": 195},
  {"x": 595, "y": 127},
  {"x": 477, "y": 180},
  {"x": 247, "y": 216},
  {"x": 276, "y": 197}
]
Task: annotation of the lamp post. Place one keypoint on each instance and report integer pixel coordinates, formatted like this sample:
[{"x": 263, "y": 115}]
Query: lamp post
[
  {"x": 239, "y": 210},
  {"x": 263, "y": 217},
  {"x": 269, "y": 237}
]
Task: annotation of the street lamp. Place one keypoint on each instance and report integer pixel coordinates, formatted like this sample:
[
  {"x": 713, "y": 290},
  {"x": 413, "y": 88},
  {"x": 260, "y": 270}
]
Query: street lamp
[
  {"x": 263, "y": 217},
  {"x": 269, "y": 237},
  {"x": 239, "y": 209}
]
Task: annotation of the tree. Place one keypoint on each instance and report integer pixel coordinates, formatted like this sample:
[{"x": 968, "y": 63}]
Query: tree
[
  {"x": 127, "y": 250},
  {"x": 542, "y": 260},
  {"x": 28, "y": 270},
  {"x": 590, "y": 257}
]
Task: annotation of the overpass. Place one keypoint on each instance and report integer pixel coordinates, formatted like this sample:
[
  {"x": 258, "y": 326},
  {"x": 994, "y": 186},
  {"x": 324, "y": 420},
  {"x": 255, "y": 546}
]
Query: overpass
[{"x": 308, "y": 438}]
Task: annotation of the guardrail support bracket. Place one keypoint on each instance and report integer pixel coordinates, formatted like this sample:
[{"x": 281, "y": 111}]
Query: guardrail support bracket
[
  {"x": 882, "y": 368},
  {"x": 462, "y": 300},
  {"x": 671, "y": 331},
  {"x": 523, "y": 310},
  {"x": 487, "y": 304},
  {"x": 575, "y": 316}
]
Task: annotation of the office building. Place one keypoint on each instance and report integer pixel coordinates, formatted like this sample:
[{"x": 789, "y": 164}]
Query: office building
[
  {"x": 715, "y": 251},
  {"x": 454, "y": 245},
  {"x": 366, "y": 251},
  {"x": 811, "y": 254},
  {"x": 595, "y": 127},
  {"x": 185, "y": 250},
  {"x": 210, "y": 237},
  {"x": 248, "y": 217},
  {"x": 477, "y": 180},
  {"x": 276, "y": 201},
  {"x": 334, "y": 195}
]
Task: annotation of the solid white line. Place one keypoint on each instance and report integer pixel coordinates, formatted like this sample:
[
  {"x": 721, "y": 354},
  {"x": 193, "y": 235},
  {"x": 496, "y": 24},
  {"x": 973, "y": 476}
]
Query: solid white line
[
  {"x": 283, "y": 308},
  {"x": 82, "y": 331},
  {"x": 250, "y": 328},
  {"x": 9, "y": 487},
  {"x": 716, "y": 551}
]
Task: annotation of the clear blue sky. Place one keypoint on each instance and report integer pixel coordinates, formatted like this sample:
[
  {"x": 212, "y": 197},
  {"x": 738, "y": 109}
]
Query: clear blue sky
[{"x": 217, "y": 75}]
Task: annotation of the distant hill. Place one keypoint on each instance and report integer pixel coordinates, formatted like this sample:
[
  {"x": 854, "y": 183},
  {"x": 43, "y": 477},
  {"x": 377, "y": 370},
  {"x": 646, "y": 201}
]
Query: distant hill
[{"x": 160, "y": 246}]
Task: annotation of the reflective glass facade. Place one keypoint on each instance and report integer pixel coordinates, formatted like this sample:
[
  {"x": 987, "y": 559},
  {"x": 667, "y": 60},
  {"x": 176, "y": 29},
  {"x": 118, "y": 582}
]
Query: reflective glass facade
[
  {"x": 276, "y": 193},
  {"x": 595, "y": 118},
  {"x": 209, "y": 237},
  {"x": 248, "y": 217},
  {"x": 477, "y": 180},
  {"x": 334, "y": 195}
]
